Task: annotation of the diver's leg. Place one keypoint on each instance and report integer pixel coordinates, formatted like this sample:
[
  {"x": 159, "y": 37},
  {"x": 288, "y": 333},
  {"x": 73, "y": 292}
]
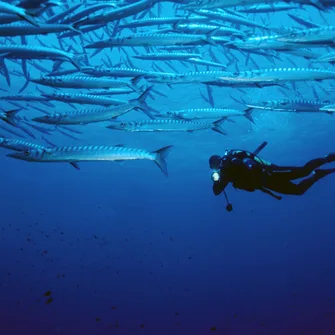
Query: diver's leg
[
  {"x": 296, "y": 172},
  {"x": 281, "y": 184},
  {"x": 305, "y": 184}
]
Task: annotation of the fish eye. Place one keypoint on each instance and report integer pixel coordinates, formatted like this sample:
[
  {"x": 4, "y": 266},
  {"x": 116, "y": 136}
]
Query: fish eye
[
  {"x": 122, "y": 124},
  {"x": 27, "y": 153}
]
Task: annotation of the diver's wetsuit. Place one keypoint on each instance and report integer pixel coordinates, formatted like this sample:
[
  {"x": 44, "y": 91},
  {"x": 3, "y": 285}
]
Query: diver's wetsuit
[{"x": 249, "y": 172}]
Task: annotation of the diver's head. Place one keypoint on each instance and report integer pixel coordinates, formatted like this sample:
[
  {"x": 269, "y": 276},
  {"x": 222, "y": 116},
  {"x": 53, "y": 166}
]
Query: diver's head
[{"x": 215, "y": 162}]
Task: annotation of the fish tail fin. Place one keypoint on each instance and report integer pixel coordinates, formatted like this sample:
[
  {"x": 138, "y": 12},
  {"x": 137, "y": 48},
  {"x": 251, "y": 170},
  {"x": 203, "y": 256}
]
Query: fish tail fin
[
  {"x": 4, "y": 69},
  {"x": 217, "y": 126},
  {"x": 140, "y": 102},
  {"x": 209, "y": 36},
  {"x": 29, "y": 17},
  {"x": 159, "y": 158},
  {"x": 74, "y": 61},
  {"x": 72, "y": 27},
  {"x": 135, "y": 83},
  {"x": 247, "y": 114},
  {"x": 10, "y": 117},
  {"x": 25, "y": 85},
  {"x": 144, "y": 95},
  {"x": 75, "y": 165}
]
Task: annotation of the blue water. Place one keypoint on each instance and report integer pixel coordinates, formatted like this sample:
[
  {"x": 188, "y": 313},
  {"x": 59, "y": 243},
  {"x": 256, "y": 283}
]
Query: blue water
[{"x": 125, "y": 250}]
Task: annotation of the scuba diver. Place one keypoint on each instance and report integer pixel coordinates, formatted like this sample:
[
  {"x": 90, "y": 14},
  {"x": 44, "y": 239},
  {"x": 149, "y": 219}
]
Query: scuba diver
[{"x": 246, "y": 171}]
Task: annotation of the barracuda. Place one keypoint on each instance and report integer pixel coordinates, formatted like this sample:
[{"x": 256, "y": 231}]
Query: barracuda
[
  {"x": 28, "y": 29},
  {"x": 269, "y": 8},
  {"x": 93, "y": 154},
  {"x": 205, "y": 62},
  {"x": 20, "y": 12},
  {"x": 324, "y": 35},
  {"x": 327, "y": 58},
  {"x": 104, "y": 101},
  {"x": 224, "y": 16},
  {"x": 87, "y": 82},
  {"x": 153, "y": 39},
  {"x": 113, "y": 91},
  {"x": 263, "y": 42},
  {"x": 123, "y": 72},
  {"x": 167, "y": 56},
  {"x": 206, "y": 113},
  {"x": 83, "y": 99},
  {"x": 161, "y": 20},
  {"x": 27, "y": 97},
  {"x": 85, "y": 116},
  {"x": 18, "y": 145},
  {"x": 277, "y": 75},
  {"x": 204, "y": 29},
  {"x": 189, "y": 77},
  {"x": 60, "y": 17},
  {"x": 119, "y": 13},
  {"x": 87, "y": 11},
  {"x": 212, "y": 4},
  {"x": 168, "y": 126},
  {"x": 36, "y": 52},
  {"x": 290, "y": 105}
]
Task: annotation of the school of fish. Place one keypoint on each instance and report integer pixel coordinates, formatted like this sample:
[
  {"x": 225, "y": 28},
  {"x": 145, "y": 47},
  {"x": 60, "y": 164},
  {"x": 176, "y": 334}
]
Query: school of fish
[{"x": 205, "y": 37}]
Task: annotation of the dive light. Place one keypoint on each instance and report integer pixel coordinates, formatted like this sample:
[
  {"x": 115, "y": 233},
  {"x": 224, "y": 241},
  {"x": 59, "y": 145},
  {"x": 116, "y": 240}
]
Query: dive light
[{"x": 215, "y": 176}]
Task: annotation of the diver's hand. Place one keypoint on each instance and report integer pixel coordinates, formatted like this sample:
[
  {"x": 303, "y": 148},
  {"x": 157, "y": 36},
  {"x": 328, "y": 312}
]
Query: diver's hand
[{"x": 217, "y": 188}]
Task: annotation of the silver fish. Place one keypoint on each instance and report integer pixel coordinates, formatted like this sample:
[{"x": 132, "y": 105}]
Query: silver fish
[
  {"x": 87, "y": 82},
  {"x": 18, "y": 145},
  {"x": 27, "y": 29},
  {"x": 277, "y": 75},
  {"x": 289, "y": 105},
  {"x": 86, "y": 116},
  {"x": 153, "y": 39},
  {"x": 167, "y": 56},
  {"x": 269, "y": 8},
  {"x": 168, "y": 126},
  {"x": 94, "y": 154},
  {"x": 226, "y": 17},
  {"x": 204, "y": 29},
  {"x": 327, "y": 58},
  {"x": 161, "y": 20},
  {"x": 20, "y": 12},
  {"x": 118, "y": 13},
  {"x": 206, "y": 113},
  {"x": 36, "y": 52},
  {"x": 321, "y": 36}
]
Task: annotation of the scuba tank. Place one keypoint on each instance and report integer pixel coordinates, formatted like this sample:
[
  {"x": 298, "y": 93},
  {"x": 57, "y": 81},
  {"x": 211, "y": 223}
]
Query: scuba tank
[{"x": 253, "y": 155}]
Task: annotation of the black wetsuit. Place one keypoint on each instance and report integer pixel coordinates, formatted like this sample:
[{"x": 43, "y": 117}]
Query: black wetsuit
[{"x": 248, "y": 172}]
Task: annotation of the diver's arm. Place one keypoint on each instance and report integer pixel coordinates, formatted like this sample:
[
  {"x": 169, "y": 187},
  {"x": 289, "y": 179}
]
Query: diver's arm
[
  {"x": 218, "y": 187},
  {"x": 278, "y": 197}
]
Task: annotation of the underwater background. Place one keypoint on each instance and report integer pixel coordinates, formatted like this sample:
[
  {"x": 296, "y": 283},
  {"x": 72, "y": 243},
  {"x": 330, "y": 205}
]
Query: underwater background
[{"x": 122, "y": 249}]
